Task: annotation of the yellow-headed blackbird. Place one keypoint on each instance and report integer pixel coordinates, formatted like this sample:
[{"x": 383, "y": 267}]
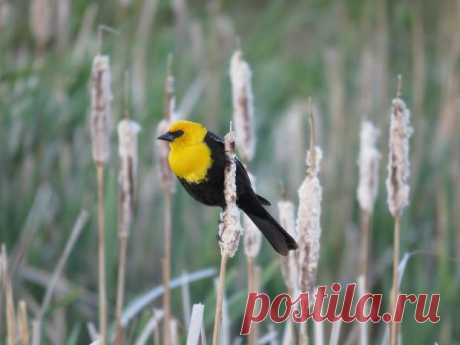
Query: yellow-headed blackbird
[{"x": 197, "y": 158}]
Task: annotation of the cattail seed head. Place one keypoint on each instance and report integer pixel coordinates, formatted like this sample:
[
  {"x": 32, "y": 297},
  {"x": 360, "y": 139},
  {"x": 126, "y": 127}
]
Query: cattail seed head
[
  {"x": 397, "y": 182},
  {"x": 230, "y": 228},
  {"x": 289, "y": 263},
  {"x": 243, "y": 109},
  {"x": 127, "y": 134},
  {"x": 101, "y": 108},
  {"x": 368, "y": 162},
  {"x": 167, "y": 180},
  {"x": 252, "y": 235},
  {"x": 308, "y": 222}
]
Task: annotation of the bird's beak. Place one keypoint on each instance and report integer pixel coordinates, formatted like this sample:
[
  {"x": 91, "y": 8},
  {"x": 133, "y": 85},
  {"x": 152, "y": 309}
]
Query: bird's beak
[{"x": 168, "y": 136}]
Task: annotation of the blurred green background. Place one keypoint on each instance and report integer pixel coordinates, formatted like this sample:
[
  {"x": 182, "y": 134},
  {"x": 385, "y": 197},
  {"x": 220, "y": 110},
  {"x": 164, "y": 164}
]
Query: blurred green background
[{"x": 345, "y": 54}]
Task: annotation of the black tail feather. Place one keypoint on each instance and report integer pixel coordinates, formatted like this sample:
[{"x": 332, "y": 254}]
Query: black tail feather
[{"x": 280, "y": 240}]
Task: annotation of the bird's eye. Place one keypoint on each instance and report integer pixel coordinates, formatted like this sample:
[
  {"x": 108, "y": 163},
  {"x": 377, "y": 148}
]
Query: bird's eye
[{"x": 177, "y": 134}]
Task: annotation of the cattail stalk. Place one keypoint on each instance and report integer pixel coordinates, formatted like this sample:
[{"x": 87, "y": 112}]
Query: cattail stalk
[
  {"x": 252, "y": 244},
  {"x": 397, "y": 184},
  {"x": 101, "y": 124},
  {"x": 127, "y": 135},
  {"x": 243, "y": 109},
  {"x": 368, "y": 163},
  {"x": 243, "y": 117},
  {"x": 286, "y": 212},
  {"x": 229, "y": 229},
  {"x": 23, "y": 324},
  {"x": 10, "y": 310},
  {"x": 167, "y": 184},
  {"x": 308, "y": 223}
]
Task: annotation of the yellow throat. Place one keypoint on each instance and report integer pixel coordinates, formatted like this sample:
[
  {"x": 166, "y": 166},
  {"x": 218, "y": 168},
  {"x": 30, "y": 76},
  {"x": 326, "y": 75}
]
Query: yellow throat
[{"x": 189, "y": 156}]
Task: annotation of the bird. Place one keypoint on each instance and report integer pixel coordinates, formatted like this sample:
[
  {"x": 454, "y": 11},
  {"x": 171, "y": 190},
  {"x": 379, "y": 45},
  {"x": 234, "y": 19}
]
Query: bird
[{"x": 197, "y": 158}]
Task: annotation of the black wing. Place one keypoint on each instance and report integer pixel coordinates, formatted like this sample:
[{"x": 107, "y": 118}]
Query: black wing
[{"x": 244, "y": 186}]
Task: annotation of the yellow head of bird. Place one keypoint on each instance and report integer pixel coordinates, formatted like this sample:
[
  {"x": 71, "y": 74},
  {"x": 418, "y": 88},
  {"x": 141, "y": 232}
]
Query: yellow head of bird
[{"x": 184, "y": 133}]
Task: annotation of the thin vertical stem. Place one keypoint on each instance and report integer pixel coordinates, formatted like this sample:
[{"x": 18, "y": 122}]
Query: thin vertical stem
[
  {"x": 219, "y": 301},
  {"x": 101, "y": 253},
  {"x": 166, "y": 262},
  {"x": 121, "y": 284},
  {"x": 365, "y": 238},
  {"x": 395, "y": 290}
]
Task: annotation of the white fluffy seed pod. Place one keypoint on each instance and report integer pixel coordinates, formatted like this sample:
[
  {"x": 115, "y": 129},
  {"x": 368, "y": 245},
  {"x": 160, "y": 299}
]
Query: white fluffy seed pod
[
  {"x": 243, "y": 108},
  {"x": 167, "y": 180},
  {"x": 252, "y": 235},
  {"x": 289, "y": 263},
  {"x": 127, "y": 149},
  {"x": 308, "y": 222},
  {"x": 397, "y": 182},
  {"x": 368, "y": 162},
  {"x": 230, "y": 228},
  {"x": 101, "y": 108}
]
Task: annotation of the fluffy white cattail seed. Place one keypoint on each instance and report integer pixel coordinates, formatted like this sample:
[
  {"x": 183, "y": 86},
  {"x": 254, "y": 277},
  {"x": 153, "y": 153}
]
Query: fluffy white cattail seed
[
  {"x": 289, "y": 263},
  {"x": 252, "y": 235},
  {"x": 308, "y": 222},
  {"x": 230, "y": 228},
  {"x": 368, "y": 162},
  {"x": 397, "y": 182},
  {"x": 243, "y": 109},
  {"x": 167, "y": 180},
  {"x": 127, "y": 149},
  {"x": 101, "y": 108}
]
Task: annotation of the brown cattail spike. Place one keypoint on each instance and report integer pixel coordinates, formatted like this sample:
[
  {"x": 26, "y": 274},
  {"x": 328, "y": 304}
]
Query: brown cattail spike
[
  {"x": 308, "y": 218},
  {"x": 243, "y": 109},
  {"x": 230, "y": 228},
  {"x": 101, "y": 108},
  {"x": 397, "y": 182},
  {"x": 368, "y": 162},
  {"x": 128, "y": 131}
]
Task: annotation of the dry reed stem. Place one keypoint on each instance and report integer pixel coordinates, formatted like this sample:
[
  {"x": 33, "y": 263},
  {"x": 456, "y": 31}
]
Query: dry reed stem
[
  {"x": 10, "y": 310},
  {"x": 23, "y": 324},
  {"x": 395, "y": 289},
  {"x": 252, "y": 244},
  {"x": 368, "y": 162},
  {"x": 219, "y": 300},
  {"x": 308, "y": 222},
  {"x": 167, "y": 185},
  {"x": 101, "y": 254},
  {"x": 229, "y": 229},
  {"x": 397, "y": 184},
  {"x": 127, "y": 133},
  {"x": 363, "y": 327},
  {"x": 289, "y": 263}
]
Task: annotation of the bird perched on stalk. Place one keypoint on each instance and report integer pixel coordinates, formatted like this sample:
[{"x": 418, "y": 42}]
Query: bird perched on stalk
[{"x": 197, "y": 158}]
